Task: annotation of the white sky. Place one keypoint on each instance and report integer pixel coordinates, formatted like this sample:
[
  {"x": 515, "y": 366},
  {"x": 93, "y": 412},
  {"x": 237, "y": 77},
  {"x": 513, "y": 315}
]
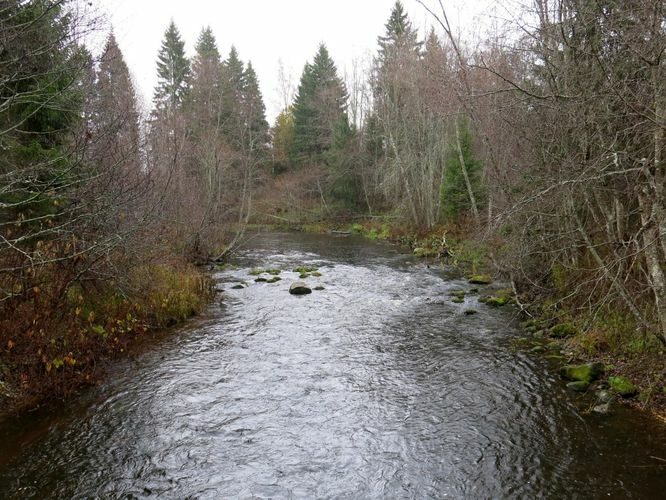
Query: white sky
[{"x": 265, "y": 31}]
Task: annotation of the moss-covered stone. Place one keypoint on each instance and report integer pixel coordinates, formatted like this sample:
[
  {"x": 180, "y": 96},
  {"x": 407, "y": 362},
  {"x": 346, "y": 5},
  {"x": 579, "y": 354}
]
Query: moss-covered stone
[
  {"x": 304, "y": 276},
  {"x": 274, "y": 279},
  {"x": 319, "y": 288},
  {"x": 458, "y": 300},
  {"x": 273, "y": 272},
  {"x": 256, "y": 271},
  {"x": 456, "y": 293},
  {"x": 238, "y": 286},
  {"x": 588, "y": 372},
  {"x": 305, "y": 269},
  {"x": 622, "y": 386},
  {"x": 470, "y": 312},
  {"x": 299, "y": 288},
  {"x": 563, "y": 330},
  {"x": 261, "y": 280},
  {"x": 578, "y": 386},
  {"x": 497, "y": 301},
  {"x": 481, "y": 279}
]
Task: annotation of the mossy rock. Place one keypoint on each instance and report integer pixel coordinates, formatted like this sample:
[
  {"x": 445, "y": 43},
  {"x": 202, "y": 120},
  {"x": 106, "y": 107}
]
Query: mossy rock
[
  {"x": 305, "y": 269},
  {"x": 497, "y": 301},
  {"x": 588, "y": 372},
  {"x": 319, "y": 288},
  {"x": 303, "y": 276},
  {"x": 481, "y": 279},
  {"x": 458, "y": 300},
  {"x": 538, "y": 349},
  {"x": 470, "y": 312},
  {"x": 622, "y": 386},
  {"x": 274, "y": 279},
  {"x": 239, "y": 286},
  {"x": 563, "y": 330},
  {"x": 456, "y": 293},
  {"x": 578, "y": 386},
  {"x": 261, "y": 280},
  {"x": 256, "y": 271},
  {"x": 299, "y": 288},
  {"x": 273, "y": 272},
  {"x": 473, "y": 291}
]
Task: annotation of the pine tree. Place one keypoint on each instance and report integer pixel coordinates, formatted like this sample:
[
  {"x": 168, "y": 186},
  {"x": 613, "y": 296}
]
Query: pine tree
[
  {"x": 173, "y": 71},
  {"x": 319, "y": 108}
]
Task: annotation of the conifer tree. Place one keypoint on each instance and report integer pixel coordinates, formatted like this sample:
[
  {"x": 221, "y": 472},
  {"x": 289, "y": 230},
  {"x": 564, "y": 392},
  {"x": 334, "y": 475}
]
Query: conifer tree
[
  {"x": 233, "y": 75},
  {"x": 319, "y": 107},
  {"x": 254, "y": 110},
  {"x": 115, "y": 116},
  {"x": 400, "y": 36},
  {"x": 173, "y": 71},
  {"x": 206, "y": 81}
]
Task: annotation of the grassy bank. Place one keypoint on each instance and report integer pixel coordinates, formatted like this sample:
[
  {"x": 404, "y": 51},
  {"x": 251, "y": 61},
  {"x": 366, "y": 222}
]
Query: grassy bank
[{"x": 60, "y": 339}]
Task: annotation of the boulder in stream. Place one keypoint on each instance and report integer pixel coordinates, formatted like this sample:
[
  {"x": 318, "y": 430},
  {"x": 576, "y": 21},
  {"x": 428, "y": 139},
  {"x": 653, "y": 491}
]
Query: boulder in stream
[
  {"x": 587, "y": 372},
  {"x": 481, "y": 279},
  {"x": 299, "y": 288}
]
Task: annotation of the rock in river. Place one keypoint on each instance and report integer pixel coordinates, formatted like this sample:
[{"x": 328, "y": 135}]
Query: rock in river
[
  {"x": 299, "y": 288},
  {"x": 587, "y": 373}
]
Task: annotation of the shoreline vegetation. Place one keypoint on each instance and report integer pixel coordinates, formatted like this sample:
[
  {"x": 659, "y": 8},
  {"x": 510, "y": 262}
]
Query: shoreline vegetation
[
  {"x": 540, "y": 160},
  {"x": 631, "y": 373}
]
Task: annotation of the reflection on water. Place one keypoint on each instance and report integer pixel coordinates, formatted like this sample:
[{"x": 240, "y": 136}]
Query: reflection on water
[{"x": 375, "y": 387}]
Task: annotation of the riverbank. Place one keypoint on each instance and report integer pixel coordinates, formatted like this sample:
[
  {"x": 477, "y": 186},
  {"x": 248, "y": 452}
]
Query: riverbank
[
  {"x": 49, "y": 353},
  {"x": 634, "y": 367}
]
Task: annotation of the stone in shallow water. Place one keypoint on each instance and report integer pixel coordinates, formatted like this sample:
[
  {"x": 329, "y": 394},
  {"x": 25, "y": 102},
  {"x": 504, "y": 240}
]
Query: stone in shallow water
[
  {"x": 578, "y": 386},
  {"x": 588, "y": 372},
  {"x": 299, "y": 288}
]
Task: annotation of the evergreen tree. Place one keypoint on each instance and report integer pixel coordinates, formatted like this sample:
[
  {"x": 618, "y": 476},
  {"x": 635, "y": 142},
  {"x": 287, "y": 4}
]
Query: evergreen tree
[
  {"x": 173, "y": 71},
  {"x": 254, "y": 111},
  {"x": 319, "y": 108},
  {"x": 400, "y": 36},
  {"x": 454, "y": 193},
  {"x": 283, "y": 138},
  {"x": 206, "y": 81},
  {"x": 115, "y": 115},
  {"x": 233, "y": 76}
]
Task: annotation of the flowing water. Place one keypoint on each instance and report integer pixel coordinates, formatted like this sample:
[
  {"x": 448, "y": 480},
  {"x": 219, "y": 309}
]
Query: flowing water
[{"x": 377, "y": 386}]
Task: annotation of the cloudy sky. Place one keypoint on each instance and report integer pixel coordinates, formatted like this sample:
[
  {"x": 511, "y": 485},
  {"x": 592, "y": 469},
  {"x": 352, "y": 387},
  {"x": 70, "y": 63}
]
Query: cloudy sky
[{"x": 265, "y": 31}]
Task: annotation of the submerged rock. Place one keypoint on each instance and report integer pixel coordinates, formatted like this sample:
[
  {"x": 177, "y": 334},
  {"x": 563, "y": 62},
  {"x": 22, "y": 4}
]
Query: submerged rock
[
  {"x": 578, "y": 386},
  {"x": 274, "y": 279},
  {"x": 603, "y": 409},
  {"x": 481, "y": 279},
  {"x": 458, "y": 300},
  {"x": 261, "y": 280},
  {"x": 238, "y": 286},
  {"x": 622, "y": 386},
  {"x": 588, "y": 372},
  {"x": 299, "y": 288},
  {"x": 469, "y": 312},
  {"x": 319, "y": 288}
]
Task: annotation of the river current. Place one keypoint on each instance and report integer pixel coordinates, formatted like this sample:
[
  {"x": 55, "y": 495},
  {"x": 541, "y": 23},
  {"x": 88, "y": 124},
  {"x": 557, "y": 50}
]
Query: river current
[{"x": 377, "y": 386}]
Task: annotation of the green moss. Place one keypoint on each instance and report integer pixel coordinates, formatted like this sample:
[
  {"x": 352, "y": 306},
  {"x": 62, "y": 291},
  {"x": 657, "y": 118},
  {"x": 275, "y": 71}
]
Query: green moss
[
  {"x": 273, "y": 272},
  {"x": 588, "y": 372},
  {"x": 256, "y": 272},
  {"x": 622, "y": 386},
  {"x": 304, "y": 275},
  {"x": 261, "y": 280},
  {"x": 481, "y": 279},
  {"x": 458, "y": 300},
  {"x": 563, "y": 330},
  {"x": 274, "y": 279},
  {"x": 305, "y": 269},
  {"x": 496, "y": 301}
]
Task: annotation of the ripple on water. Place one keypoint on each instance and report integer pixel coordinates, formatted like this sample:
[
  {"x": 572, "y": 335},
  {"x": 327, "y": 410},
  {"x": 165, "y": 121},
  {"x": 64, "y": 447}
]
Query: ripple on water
[{"x": 376, "y": 387}]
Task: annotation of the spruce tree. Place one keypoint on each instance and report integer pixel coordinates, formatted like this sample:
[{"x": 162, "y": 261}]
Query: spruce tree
[
  {"x": 233, "y": 76},
  {"x": 173, "y": 71},
  {"x": 206, "y": 81},
  {"x": 319, "y": 108},
  {"x": 400, "y": 36},
  {"x": 115, "y": 116},
  {"x": 254, "y": 110}
]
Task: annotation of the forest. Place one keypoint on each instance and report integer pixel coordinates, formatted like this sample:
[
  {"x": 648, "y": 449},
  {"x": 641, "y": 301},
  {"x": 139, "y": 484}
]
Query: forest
[{"x": 535, "y": 154}]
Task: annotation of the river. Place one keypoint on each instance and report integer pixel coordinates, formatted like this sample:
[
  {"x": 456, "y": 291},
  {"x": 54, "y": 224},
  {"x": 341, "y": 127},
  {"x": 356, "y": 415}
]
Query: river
[{"x": 377, "y": 386}]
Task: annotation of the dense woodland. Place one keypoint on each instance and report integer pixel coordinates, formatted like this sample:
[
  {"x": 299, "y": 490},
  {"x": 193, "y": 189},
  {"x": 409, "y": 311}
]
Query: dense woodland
[{"x": 542, "y": 142}]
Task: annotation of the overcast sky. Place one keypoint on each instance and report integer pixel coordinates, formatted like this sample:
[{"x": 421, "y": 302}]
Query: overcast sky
[{"x": 264, "y": 31}]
